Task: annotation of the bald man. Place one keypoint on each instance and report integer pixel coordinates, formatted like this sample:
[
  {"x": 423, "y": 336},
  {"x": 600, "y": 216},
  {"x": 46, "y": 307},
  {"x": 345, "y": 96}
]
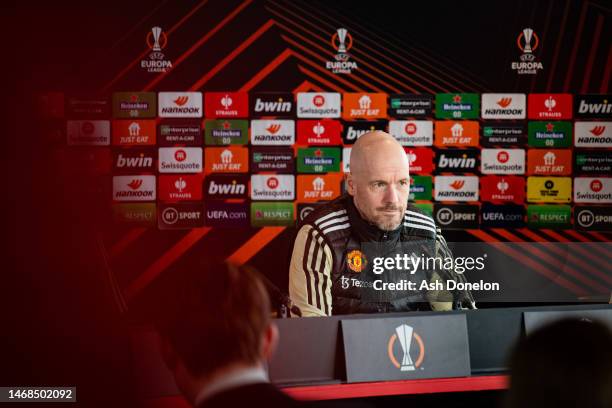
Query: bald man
[{"x": 326, "y": 270}]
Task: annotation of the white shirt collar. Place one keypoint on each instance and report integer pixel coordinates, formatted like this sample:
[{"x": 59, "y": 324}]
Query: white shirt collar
[{"x": 233, "y": 379}]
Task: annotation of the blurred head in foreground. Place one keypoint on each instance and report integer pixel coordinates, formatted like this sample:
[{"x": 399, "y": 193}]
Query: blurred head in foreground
[
  {"x": 216, "y": 323},
  {"x": 567, "y": 363}
]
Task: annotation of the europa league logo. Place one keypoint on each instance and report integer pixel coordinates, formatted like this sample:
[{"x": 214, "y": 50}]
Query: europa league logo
[
  {"x": 527, "y": 37},
  {"x": 156, "y": 32},
  {"x": 405, "y": 334},
  {"x": 342, "y": 41},
  {"x": 156, "y": 40}
]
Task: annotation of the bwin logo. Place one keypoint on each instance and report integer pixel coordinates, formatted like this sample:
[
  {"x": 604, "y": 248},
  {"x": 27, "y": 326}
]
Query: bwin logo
[
  {"x": 232, "y": 188},
  {"x": 462, "y": 162},
  {"x": 141, "y": 161},
  {"x": 353, "y": 134},
  {"x": 278, "y": 106}
]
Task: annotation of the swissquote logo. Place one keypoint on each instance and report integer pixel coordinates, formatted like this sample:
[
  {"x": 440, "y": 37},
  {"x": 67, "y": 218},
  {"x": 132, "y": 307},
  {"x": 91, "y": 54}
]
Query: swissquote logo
[
  {"x": 273, "y": 187},
  {"x": 342, "y": 42},
  {"x": 593, "y": 134},
  {"x": 180, "y": 159},
  {"x": 503, "y": 106},
  {"x": 134, "y": 188},
  {"x": 405, "y": 348},
  {"x": 502, "y": 161},
  {"x": 412, "y": 132},
  {"x": 272, "y": 132},
  {"x": 180, "y": 104},
  {"x": 593, "y": 190},
  {"x": 528, "y": 42},
  {"x": 88, "y": 132},
  {"x": 156, "y": 40},
  {"x": 456, "y": 188},
  {"x": 318, "y": 105}
]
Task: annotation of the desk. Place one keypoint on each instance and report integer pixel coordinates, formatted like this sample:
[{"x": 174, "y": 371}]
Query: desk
[{"x": 309, "y": 363}]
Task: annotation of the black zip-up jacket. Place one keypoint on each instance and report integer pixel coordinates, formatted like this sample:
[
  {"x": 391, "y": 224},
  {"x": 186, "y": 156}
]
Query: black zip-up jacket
[{"x": 326, "y": 273}]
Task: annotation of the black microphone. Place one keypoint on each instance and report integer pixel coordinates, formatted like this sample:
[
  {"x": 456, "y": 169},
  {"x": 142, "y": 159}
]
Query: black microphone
[{"x": 280, "y": 300}]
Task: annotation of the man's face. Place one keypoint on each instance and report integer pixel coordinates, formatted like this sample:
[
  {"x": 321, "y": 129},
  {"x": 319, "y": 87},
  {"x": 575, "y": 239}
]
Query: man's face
[{"x": 380, "y": 189}]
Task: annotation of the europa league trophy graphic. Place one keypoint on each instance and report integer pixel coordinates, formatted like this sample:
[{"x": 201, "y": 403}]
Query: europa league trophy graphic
[
  {"x": 156, "y": 33},
  {"x": 404, "y": 335},
  {"x": 342, "y": 40},
  {"x": 528, "y": 33}
]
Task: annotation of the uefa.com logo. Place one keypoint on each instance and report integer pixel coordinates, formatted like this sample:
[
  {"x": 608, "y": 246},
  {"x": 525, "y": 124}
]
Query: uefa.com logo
[
  {"x": 342, "y": 41},
  {"x": 156, "y": 41},
  {"x": 527, "y": 41}
]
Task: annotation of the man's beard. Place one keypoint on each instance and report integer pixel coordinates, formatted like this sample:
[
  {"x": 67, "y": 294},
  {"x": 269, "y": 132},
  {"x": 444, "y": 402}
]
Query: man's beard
[{"x": 384, "y": 223}]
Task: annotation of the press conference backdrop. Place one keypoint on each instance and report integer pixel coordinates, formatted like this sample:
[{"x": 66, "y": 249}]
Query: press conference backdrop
[{"x": 215, "y": 126}]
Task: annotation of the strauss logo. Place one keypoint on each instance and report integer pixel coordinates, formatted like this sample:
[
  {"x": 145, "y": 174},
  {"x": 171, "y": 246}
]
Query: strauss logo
[
  {"x": 503, "y": 186},
  {"x": 318, "y": 129},
  {"x": 226, "y": 101},
  {"x": 273, "y": 128},
  {"x": 180, "y": 184},
  {"x": 181, "y": 100},
  {"x": 457, "y": 184},
  {"x": 598, "y": 130},
  {"x": 135, "y": 184},
  {"x": 504, "y": 102},
  {"x": 550, "y": 103}
]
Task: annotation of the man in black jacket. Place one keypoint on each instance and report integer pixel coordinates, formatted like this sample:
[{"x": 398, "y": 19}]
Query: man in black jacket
[{"x": 327, "y": 273}]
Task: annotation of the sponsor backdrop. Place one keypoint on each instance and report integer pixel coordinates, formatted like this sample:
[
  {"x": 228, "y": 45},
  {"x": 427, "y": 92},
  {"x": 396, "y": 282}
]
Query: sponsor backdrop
[{"x": 217, "y": 125}]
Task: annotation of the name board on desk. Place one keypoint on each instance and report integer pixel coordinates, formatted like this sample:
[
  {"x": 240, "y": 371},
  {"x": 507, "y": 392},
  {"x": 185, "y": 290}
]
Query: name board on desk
[
  {"x": 403, "y": 348},
  {"x": 535, "y": 320}
]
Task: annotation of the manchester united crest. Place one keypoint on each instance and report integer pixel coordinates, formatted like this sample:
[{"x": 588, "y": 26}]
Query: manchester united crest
[{"x": 356, "y": 261}]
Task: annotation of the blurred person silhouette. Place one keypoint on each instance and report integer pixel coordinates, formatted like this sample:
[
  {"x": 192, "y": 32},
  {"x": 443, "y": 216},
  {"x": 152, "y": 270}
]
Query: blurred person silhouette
[
  {"x": 567, "y": 363},
  {"x": 217, "y": 335}
]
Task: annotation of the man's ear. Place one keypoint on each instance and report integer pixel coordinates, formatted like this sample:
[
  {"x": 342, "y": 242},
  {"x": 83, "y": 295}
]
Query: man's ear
[
  {"x": 270, "y": 341},
  {"x": 350, "y": 186},
  {"x": 168, "y": 354}
]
